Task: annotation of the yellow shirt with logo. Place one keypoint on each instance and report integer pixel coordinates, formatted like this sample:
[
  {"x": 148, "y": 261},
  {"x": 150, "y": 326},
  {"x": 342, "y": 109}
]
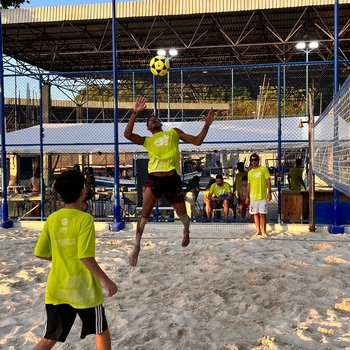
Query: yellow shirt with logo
[
  {"x": 217, "y": 191},
  {"x": 257, "y": 180},
  {"x": 163, "y": 151},
  {"x": 68, "y": 236}
]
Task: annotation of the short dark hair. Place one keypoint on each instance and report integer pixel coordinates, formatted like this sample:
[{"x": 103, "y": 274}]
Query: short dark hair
[
  {"x": 240, "y": 164},
  {"x": 69, "y": 185},
  {"x": 244, "y": 178},
  {"x": 152, "y": 115},
  {"x": 255, "y": 156},
  {"x": 76, "y": 167},
  {"x": 219, "y": 176},
  {"x": 298, "y": 161}
]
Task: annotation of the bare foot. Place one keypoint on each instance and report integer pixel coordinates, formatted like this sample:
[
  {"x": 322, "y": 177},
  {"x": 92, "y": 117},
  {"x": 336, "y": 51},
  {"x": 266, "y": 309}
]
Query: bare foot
[
  {"x": 264, "y": 234},
  {"x": 185, "y": 239},
  {"x": 256, "y": 234},
  {"x": 134, "y": 256}
]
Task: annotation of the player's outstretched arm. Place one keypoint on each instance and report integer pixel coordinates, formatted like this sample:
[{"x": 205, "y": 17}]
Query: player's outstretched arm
[
  {"x": 198, "y": 140},
  {"x": 140, "y": 105},
  {"x": 109, "y": 286}
]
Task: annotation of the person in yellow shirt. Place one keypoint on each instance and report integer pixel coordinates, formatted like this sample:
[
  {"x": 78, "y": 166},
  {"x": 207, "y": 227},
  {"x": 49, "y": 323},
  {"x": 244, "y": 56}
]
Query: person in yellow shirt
[
  {"x": 258, "y": 193},
  {"x": 163, "y": 169},
  {"x": 220, "y": 196},
  {"x": 295, "y": 177},
  {"x": 74, "y": 282}
]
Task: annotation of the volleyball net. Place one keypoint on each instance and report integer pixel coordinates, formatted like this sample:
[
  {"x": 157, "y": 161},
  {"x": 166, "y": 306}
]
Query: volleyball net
[{"x": 331, "y": 146}]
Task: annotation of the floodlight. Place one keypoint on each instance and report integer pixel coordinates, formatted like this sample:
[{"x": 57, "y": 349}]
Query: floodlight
[
  {"x": 313, "y": 45},
  {"x": 300, "y": 45}
]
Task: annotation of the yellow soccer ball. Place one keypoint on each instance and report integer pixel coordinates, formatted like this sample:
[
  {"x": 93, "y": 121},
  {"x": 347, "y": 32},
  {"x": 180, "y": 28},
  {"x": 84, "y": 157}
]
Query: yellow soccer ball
[{"x": 159, "y": 65}]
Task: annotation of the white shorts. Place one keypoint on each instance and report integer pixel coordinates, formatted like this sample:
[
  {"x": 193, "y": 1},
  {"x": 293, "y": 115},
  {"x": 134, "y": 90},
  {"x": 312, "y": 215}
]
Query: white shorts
[{"x": 258, "y": 207}]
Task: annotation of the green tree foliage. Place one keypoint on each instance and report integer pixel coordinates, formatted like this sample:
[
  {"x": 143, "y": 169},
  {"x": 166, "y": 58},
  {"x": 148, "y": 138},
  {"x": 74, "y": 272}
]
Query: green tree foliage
[
  {"x": 96, "y": 93},
  {"x": 10, "y": 3}
]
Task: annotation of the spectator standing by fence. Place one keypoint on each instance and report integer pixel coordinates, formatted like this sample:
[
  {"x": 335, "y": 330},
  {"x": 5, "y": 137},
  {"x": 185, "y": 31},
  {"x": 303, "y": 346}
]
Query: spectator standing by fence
[
  {"x": 295, "y": 176},
  {"x": 258, "y": 193}
]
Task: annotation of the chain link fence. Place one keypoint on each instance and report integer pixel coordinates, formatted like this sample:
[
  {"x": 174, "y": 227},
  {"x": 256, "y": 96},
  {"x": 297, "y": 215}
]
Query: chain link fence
[
  {"x": 258, "y": 109},
  {"x": 332, "y": 153}
]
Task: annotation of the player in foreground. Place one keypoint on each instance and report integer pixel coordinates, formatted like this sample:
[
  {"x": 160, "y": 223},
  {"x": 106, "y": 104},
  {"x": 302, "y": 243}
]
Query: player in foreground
[
  {"x": 74, "y": 282},
  {"x": 163, "y": 169}
]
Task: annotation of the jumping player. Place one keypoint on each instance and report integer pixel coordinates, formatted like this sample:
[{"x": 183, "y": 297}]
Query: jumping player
[{"x": 163, "y": 169}]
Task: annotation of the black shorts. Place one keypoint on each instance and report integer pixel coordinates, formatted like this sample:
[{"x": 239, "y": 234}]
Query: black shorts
[
  {"x": 219, "y": 204},
  {"x": 168, "y": 186},
  {"x": 60, "y": 319}
]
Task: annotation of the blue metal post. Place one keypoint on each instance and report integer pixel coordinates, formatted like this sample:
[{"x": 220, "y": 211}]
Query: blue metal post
[
  {"x": 41, "y": 159},
  {"x": 279, "y": 149},
  {"x": 155, "y": 95},
  {"x": 182, "y": 95},
  {"x": 336, "y": 228},
  {"x": 5, "y": 222},
  {"x": 232, "y": 95},
  {"x": 307, "y": 82},
  {"x": 156, "y": 114},
  {"x": 117, "y": 225}
]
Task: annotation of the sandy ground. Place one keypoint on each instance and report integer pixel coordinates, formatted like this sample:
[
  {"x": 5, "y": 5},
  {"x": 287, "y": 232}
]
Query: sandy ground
[{"x": 226, "y": 290}]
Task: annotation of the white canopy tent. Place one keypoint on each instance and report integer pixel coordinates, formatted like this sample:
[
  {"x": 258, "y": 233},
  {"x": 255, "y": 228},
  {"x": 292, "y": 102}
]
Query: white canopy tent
[{"x": 235, "y": 135}]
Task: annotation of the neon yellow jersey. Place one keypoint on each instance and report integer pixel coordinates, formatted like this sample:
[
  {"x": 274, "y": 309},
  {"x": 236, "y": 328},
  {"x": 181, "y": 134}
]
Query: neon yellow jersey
[
  {"x": 295, "y": 174},
  {"x": 238, "y": 181},
  {"x": 163, "y": 151},
  {"x": 68, "y": 236},
  {"x": 217, "y": 191},
  {"x": 257, "y": 180}
]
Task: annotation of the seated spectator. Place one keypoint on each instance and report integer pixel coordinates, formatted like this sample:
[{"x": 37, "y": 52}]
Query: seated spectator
[
  {"x": 191, "y": 194},
  {"x": 220, "y": 196}
]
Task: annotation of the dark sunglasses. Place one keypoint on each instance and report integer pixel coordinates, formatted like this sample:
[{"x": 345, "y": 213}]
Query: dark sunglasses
[{"x": 253, "y": 160}]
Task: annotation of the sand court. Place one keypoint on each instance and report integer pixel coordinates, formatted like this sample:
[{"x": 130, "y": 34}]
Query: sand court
[{"x": 224, "y": 291}]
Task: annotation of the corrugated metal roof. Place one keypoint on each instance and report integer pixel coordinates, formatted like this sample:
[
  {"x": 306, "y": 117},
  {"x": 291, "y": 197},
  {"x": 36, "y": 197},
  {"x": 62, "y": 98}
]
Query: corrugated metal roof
[
  {"x": 219, "y": 38},
  {"x": 145, "y": 8}
]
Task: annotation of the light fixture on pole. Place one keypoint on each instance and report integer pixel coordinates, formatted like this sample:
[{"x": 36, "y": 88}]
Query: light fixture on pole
[
  {"x": 171, "y": 53},
  {"x": 307, "y": 48},
  {"x": 301, "y": 123},
  {"x": 168, "y": 55}
]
